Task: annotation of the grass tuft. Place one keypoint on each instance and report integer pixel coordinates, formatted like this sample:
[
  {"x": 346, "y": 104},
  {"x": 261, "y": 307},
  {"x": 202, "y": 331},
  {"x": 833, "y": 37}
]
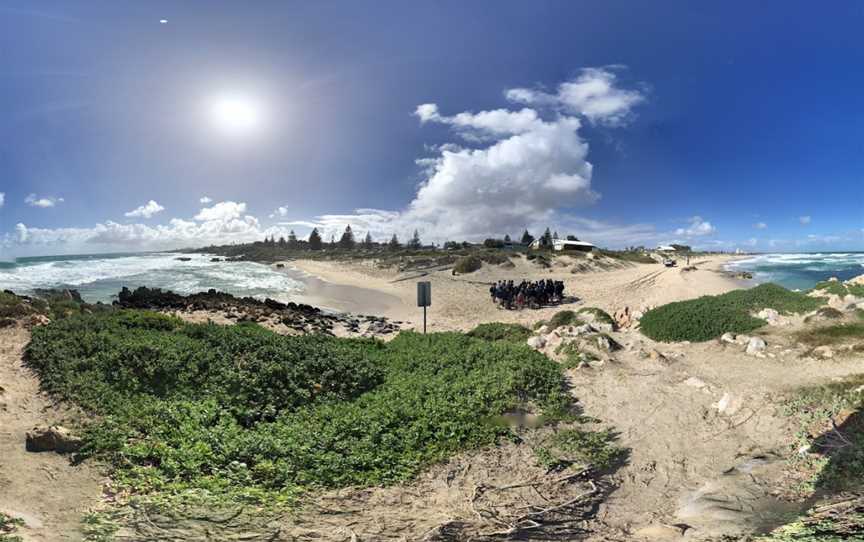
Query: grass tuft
[{"x": 497, "y": 331}]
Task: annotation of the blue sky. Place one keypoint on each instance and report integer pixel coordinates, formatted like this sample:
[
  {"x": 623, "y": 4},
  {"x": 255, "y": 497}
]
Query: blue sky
[{"x": 721, "y": 126}]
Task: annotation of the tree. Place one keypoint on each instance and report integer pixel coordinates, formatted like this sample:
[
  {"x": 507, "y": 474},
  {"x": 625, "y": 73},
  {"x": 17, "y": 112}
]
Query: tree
[
  {"x": 507, "y": 239},
  {"x": 415, "y": 241},
  {"x": 282, "y": 242},
  {"x": 546, "y": 240},
  {"x": 315, "y": 239},
  {"x": 572, "y": 238},
  {"x": 347, "y": 240},
  {"x": 555, "y": 235},
  {"x": 292, "y": 239},
  {"x": 493, "y": 243},
  {"x": 527, "y": 238},
  {"x": 367, "y": 242},
  {"x": 394, "y": 242}
]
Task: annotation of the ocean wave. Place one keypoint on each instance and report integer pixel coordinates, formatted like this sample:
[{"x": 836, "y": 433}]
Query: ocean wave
[{"x": 100, "y": 278}]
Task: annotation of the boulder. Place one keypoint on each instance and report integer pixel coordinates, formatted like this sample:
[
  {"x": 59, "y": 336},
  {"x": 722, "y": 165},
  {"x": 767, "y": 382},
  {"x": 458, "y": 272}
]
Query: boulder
[
  {"x": 772, "y": 317},
  {"x": 755, "y": 346},
  {"x": 537, "y": 342},
  {"x": 823, "y": 352},
  {"x": 543, "y": 330},
  {"x": 606, "y": 343},
  {"x": 53, "y": 438},
  {"x": 727, "y": 338}
]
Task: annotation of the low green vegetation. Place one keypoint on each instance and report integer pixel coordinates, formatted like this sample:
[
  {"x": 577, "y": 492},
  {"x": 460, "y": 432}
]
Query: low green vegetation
[
  {"x": 8, "y": 527},
  {"x": 709, "y": 317},
  {"x": 635, "y": 256},
  {"x": 840, "y": 288},
  {"x": 823, "y": 524},
  {"x": 572, "y": 355},
  {"x": 576, "y": 446},
  {"x": 598, "y": 315},
  {"x": 563, "y": 318},
  {"x": 833, "y": 334},
  {"x": 245, "y": 413},
  {"x": 467, "y": 264},
  {"x": 497, "y": 331}
]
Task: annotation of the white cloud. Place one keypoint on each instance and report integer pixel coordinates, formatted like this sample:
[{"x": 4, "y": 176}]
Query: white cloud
[
  {"x": 2, "y": 199},
  {"x": 34, "y": 201},
  {"x": 145, "y": 211},
  {"x": 224, "y": 210},
  {"x": 760, "y": 225},
  {"x": 697, "y": 228},
  {"x": 279, "y": 212},
  {"x": 593, "y": 94},
  {"x": 804, "y": 220},
  {"x": 205, "y": 200}
]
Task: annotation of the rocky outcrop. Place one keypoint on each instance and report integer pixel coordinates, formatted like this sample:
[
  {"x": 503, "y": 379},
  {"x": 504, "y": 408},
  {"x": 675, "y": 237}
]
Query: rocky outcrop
[
  {"x": 296, "y": 316},
  {"x": 53, "y": 438}
]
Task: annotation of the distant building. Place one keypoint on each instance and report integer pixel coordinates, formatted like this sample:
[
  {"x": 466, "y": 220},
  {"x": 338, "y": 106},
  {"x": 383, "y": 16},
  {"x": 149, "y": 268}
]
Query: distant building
[
  {"x": 564, "y": 245},
  {"x": 666, "y": 248}
]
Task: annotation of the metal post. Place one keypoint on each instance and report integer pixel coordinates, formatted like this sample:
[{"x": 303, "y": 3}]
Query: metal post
[{"x": 424, "y": 319}]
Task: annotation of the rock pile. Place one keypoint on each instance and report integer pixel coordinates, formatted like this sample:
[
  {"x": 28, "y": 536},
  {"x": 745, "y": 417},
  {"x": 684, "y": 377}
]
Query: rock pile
[{"x": 296, "y": 316}]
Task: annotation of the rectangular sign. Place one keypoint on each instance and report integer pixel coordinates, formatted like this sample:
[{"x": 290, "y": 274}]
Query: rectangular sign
[{"x": 424, "y": 294}]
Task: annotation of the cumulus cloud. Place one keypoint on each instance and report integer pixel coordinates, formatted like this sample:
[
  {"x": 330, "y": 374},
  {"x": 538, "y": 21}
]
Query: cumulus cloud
[
  {"x": 804, "y": 220},
  {"x": 205, "y": 200},
  {"x": 218, "y": 224},
  {"x": 593, "y": 94},
  {"x": 222, "y": 211},
  {"x": 279, "y": 212},
  {"x": 697, "y": 228},
  {"x": 44, "y": 202},
  {"x": 760, "y": 225},
  {"x": 145, "y": 211}
]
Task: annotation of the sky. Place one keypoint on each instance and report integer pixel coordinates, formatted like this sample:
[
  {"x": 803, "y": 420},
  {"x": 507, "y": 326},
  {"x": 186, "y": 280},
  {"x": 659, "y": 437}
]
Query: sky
[{"x": 129, "y": 126}]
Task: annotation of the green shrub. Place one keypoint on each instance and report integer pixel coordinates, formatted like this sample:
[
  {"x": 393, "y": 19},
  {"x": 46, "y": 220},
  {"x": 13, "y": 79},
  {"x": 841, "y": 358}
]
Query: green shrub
[
  {"x": 634, "y": 256},
  {"x": 245, "y": 412},
  {"x": 497, "y": 331},
  {"x": 572, "y": 355},
  {"x": 563, "y": 318},
  {"x": 599, "y": 315},
  {"x": 709, "y": 317},
  {"x": 467, "y": 264},
  {"x": 840, "y": 288},
  {"x": 578, "y": 446}
]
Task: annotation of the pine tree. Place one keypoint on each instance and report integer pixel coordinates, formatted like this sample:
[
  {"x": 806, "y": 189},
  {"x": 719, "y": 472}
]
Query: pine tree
[
  {"x": 394, "y": 242},
  {"x": 292, "y": 239},
  {"x": 547, "y": 237},
  {"x": 347, "y": 239},
  {"x": 555, "y": 235},
  {"x": 282, "y": 242},
  {"x": 315, "y": 240},
  {"x": 527, "y": 238},
  {"x": 415, "y": 241},
  {"x": 367, "y": 242},
  {"x": 507, "y": 239}
]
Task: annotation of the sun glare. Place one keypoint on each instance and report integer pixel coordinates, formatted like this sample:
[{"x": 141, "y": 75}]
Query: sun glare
[{"x": 236, "y": 115}]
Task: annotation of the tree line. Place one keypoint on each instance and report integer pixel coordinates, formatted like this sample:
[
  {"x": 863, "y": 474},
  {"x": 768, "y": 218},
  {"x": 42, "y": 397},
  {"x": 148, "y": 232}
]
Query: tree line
[{"x": 346, "y": 242}]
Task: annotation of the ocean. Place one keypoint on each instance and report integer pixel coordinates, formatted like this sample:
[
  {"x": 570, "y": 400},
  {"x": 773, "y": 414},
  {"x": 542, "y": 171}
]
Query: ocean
[
  {"x": 99, "y": 277},
  {"x": 803, "y": 270}
]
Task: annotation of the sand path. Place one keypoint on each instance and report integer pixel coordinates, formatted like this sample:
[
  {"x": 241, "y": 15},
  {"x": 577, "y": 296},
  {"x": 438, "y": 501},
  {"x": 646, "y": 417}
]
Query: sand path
[{"x": 43, "y": 489}]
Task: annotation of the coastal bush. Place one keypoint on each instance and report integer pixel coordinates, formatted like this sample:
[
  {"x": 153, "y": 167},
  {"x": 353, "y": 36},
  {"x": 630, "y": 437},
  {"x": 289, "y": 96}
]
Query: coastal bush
[
  {"x": 245, "y": 412},
  {"x": 599, "y": 315},
  {"x": 467, "y": 264},
  {"x": 579, "y": 446},
  {"x": 709, "y": 317},
  {"x": 840, "y": 288},
  {"x": 498, "y": 331},
  {"x": 629, "y": 256},
  {"x": 563, "y": 318}
]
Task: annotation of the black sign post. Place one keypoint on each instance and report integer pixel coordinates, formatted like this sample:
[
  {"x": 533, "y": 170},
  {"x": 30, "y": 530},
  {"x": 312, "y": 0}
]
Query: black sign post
[{"x": 424, "y": 298}]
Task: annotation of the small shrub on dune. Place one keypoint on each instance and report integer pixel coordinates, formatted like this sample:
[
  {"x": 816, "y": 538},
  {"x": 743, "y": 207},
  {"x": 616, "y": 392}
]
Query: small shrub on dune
[
  {"x": 599, "y": 315},
  {"x": 467, "y": 264},
  {"x": 563, "y": 318},
  {"x": 497, "y": 331},
  {"x": 708, "y": 317}
]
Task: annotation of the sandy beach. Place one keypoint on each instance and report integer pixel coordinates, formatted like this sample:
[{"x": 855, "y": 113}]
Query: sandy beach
[{"x": 461, "y": 302}]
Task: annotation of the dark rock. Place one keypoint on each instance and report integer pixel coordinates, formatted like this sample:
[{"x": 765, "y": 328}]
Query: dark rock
[{"x": 52, "y": 439}]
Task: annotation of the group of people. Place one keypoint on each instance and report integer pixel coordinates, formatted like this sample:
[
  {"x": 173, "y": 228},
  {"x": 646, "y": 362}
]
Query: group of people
[{"x": 510, "y": 295}]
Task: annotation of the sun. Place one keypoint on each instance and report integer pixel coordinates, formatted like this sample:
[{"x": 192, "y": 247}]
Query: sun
[{"x": 236, "y": 114}]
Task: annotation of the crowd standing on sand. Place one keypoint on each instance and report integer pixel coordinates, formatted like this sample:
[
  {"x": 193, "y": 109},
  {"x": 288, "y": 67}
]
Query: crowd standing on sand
[{"x": 534, "y": 294}]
